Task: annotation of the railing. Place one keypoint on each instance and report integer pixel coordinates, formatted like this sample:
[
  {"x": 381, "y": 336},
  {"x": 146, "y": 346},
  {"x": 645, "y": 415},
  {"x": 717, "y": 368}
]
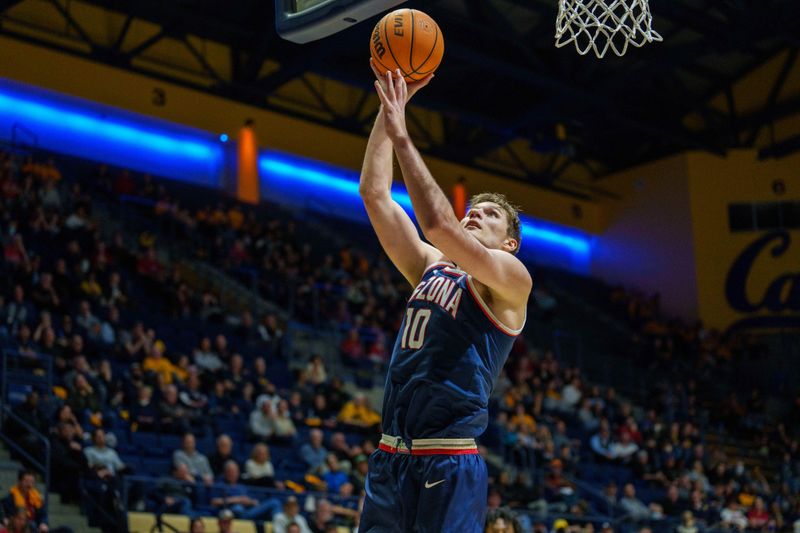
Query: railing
[
  {"x": 43, "y": 465},
  {"x": 9, "y": 371},
  {"x": 91, "y": 508}
]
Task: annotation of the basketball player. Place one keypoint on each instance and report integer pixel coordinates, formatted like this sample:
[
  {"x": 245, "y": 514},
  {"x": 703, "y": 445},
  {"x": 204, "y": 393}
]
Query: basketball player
[{"x": 467, "y": 307}]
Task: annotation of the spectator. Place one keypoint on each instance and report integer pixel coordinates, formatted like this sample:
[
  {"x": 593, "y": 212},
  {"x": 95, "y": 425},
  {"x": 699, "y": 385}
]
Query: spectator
[
  {"x": 290, "y": 514},
  {"x": 225, "y": 521},
  {"x": 502, "y": 520},
  {"x": 601, "y": 444},
  {"x": 44, "y": 295},
  {"x": 334, "y": 478},
  {"x": 176, "y": 494},
  {"x": 149, "y": 266},
  {"x": 18, "y": 311},
  {"x": 322, "y": 517},
  {"x": 103, "y": 460},
  {"x": 157, "y": 363},
  {"x": 623, "y": 449},
  {"x": 343, "y": 451},
  {"x": 196, "y": 525},
  {"x": 222, "y": 454},
  {"x": 259, "y": 470},
  {"x": 673, "y": 504},
  {"x": 18, "y": 522},
  {"x": 521, "y": 418},
  {"x": 758, "y": 516},
  {"x": 358, "y": 477},
  {"x": 262, "y": 421},
  {"x": 316, "y": 371},
  {"x": 633, "y": 506},
  {"x": 25, "y": 496},
  {"x": 688, "y": 524},
  {"x": 67, "y": 462},
  {"x": 173, "y": 416},
  {"x": 283, "y": 425},
  {"x": 237, "y": 498},
  {"x": 357, "y": 412},
  {"x": 192, "y": 397},
  {"x": 571, "y": 395},
  {"x": 313, "y": 452},
  {"x": 114, "y": 294},
  {"x": 205, "y": 358},
  {"x": 732, "y": 516},
  {"x": 196, "y": 461},
  {"x": 144, "y": 413}
]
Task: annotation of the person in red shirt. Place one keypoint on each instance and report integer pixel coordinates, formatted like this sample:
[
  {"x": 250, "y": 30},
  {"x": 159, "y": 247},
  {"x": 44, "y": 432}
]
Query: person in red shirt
[
  {"x": 758, "y": 516},
  {"x": 18, "y": 522}
]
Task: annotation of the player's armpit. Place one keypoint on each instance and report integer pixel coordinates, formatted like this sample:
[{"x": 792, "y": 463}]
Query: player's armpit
[
  {"x": 500, "y": 271},
  {"x": 399, "y": 237}
]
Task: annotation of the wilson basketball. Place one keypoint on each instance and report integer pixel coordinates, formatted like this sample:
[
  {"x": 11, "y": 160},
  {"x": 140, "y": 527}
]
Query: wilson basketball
[{"x": 410, "y": 40}]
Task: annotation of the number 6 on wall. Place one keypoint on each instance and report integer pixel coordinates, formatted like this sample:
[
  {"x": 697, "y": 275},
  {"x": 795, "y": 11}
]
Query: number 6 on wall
[{"x": 416, "y": 324}]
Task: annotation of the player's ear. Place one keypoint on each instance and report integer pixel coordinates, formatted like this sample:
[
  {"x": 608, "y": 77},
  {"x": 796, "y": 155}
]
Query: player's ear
[{"x": 510, "y": 244}]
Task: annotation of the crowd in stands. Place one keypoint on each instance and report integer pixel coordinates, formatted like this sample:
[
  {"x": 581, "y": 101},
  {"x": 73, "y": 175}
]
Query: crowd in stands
[
  {"x": 139, "y": 350},
  {"x": 341, "y": 287},
  {"x": 88, "y": 302}
]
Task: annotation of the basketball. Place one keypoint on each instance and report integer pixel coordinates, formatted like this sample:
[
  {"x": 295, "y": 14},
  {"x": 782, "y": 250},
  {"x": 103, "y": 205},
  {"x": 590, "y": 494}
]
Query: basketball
[{"x": 409, "y": 40}]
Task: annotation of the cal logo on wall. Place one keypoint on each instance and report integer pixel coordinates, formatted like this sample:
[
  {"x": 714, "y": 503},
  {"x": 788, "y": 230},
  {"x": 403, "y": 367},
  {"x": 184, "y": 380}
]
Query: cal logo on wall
[
  {"x": 747, "y": 241},
  {"x": 778, "y": 306}
]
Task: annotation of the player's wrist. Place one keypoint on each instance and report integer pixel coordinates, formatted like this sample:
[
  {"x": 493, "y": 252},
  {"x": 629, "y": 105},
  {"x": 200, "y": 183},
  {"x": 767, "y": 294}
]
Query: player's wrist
[{"x": 402, "y": 141}]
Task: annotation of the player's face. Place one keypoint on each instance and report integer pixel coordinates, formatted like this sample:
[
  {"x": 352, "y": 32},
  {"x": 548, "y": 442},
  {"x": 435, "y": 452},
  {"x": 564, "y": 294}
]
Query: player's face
[{"x": 489, "y": 224}]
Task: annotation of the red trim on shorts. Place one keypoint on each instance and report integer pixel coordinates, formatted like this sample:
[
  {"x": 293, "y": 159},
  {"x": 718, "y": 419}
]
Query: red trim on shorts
[{"x": 444, "y": 451}]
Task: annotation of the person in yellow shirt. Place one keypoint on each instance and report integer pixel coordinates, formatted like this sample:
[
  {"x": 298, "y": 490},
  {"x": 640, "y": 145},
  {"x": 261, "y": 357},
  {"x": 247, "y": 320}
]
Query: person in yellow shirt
[
  {"x": 91, "y": 288},
  {"x": 50, "y": 171},
  {"x": 26, "y": 496},
  {"x": 235, "y": 218},
  {"x": 521, "y": 418},
  {"x": 218, "y": 216},
  {"x": 156, "y": 362},
  {"x": 357, "y": 412}
]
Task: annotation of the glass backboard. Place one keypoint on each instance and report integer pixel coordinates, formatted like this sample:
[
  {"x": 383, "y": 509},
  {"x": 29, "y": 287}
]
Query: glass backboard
[{"x": 303, "y": 21}]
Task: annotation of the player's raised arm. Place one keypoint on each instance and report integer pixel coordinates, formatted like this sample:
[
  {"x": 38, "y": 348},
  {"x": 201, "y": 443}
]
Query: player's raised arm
[
  {"x": 492, "y": 265},
  {"x": 396, "y": 232}
]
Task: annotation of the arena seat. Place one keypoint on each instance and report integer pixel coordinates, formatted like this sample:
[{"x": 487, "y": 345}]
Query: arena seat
[
  {"x": 140, "y": 522},
  {"x": 178, "y": 521},
  {"x": 248, "y": 526},
  {"x": 239, "y": 526}
]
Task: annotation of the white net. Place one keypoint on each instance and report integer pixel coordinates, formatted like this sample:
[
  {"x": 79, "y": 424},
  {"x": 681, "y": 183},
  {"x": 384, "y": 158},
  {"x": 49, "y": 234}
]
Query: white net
[{"x": 603, "y": 25}]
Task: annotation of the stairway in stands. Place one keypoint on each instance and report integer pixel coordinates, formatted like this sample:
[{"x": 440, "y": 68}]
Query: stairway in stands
[{"x": 60, "y": 514}]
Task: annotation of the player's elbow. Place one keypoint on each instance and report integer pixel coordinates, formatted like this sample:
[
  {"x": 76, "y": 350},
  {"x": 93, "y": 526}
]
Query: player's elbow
[{"x": 370, "y": 193}]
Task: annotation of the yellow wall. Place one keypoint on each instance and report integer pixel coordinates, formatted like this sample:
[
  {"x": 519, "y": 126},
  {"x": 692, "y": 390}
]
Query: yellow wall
[
  {"x": 714, "y": 183},
  {"x": 79, "y": 77}
]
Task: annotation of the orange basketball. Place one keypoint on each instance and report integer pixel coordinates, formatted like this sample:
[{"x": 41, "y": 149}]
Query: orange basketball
[{"x": 409, "y": 40}]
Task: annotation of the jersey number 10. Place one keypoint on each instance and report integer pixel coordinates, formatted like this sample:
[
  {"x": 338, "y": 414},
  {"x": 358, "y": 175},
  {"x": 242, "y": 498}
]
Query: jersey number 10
[{"x": 416, "y": 324}]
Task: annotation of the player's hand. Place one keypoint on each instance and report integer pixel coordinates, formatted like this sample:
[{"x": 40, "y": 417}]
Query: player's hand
[
  {"x": 394, "y": 97},
  {"x": 412, "y": 87}
]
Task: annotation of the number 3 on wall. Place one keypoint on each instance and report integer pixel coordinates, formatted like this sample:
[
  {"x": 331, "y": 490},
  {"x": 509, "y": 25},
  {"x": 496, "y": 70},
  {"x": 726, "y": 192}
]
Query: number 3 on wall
[{"x": 416, "y": 324}]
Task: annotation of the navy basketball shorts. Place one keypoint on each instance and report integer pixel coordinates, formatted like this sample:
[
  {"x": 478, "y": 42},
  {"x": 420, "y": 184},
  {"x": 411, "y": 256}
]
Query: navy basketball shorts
[{"x": 438, "y": 486}]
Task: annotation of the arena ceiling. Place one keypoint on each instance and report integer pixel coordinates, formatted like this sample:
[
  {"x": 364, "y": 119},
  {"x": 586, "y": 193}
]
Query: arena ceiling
[{"x": 726, "y": 76}]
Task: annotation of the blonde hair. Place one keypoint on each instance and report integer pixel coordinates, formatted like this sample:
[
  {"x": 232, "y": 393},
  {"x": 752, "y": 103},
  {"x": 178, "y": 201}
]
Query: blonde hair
[{"x": 511, "y": 211}]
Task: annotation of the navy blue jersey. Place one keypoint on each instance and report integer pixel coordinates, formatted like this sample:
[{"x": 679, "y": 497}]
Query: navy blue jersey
[{"x": 448, "y": 354}]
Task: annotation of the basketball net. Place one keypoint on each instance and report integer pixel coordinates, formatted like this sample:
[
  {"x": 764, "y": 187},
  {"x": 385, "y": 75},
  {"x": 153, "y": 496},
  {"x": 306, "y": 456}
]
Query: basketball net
[{"x": 600, "y": 25}]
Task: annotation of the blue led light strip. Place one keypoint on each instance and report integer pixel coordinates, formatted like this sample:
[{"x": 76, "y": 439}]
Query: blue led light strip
[
  {"x": 274, "y": 166},
  {"x": 84, "y": 124}
]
